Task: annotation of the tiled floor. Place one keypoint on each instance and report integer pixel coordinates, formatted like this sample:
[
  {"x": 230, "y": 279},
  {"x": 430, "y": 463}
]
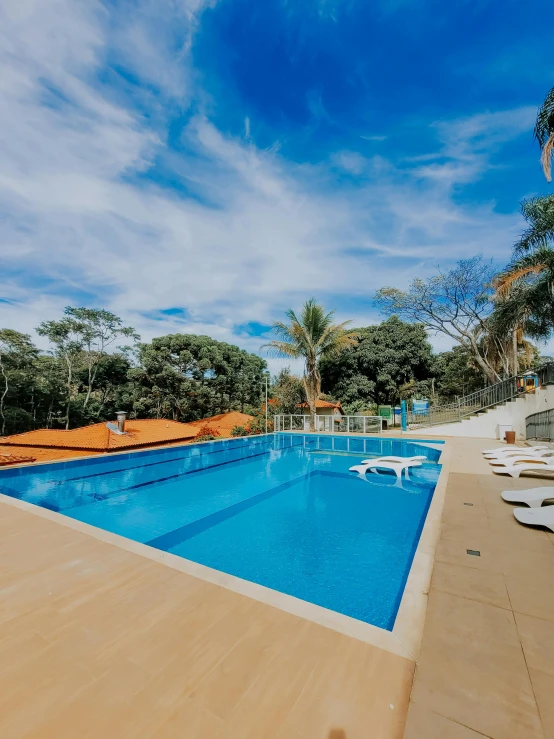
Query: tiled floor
[
  {"x": 99, "y": 642},
  {"x": 486, "y": 667}
]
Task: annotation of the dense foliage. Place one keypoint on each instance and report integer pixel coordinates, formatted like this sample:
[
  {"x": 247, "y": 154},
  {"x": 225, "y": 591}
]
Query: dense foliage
[
  {"x": 388, "y": 357},
  {"x": 182, "y": 377}
]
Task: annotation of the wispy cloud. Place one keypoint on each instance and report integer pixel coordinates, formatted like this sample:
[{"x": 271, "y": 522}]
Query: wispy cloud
[{"x": 232, "y": 234}]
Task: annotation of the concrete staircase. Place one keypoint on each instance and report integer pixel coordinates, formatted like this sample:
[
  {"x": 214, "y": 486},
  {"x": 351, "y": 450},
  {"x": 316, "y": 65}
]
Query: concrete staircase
[{"x": 485, "y": 423}]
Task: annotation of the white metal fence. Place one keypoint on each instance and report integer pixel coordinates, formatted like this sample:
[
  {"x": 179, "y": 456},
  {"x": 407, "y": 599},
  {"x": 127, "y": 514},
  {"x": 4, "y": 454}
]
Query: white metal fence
[{"x": 330, "y": 424}]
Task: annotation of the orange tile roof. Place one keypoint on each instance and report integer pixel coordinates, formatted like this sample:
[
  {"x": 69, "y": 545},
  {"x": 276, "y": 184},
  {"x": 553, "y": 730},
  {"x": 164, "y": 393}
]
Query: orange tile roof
[
  {"x": 6, "y": 459},
  {"x": 99, "y": 438},
  {"x": 224, "y": 423},
  {"x": 53, "y": 444},
  {"x": 320, "y": 404},
  {"x": 44, "y": 454}
]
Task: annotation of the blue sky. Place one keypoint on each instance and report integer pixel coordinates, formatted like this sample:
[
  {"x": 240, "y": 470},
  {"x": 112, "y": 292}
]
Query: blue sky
[{"x": 203, "y": 165}]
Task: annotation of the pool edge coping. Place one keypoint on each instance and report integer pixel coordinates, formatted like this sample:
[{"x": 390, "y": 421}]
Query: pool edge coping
[{"x": 405, "y": 638}]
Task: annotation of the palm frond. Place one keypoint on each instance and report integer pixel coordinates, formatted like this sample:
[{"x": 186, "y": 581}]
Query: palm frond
[
  {"x": 539, "y": 213},
  {"x": 282, "y": 349},
  {"x": 544, "y": 125},
  {"x": 546, "y": 157}
]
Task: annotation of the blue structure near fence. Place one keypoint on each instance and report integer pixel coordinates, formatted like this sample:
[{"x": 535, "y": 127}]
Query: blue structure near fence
[{"x": 420, "y": 407}]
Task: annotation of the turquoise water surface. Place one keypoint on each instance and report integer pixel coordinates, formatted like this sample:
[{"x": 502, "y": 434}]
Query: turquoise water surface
[{"x": 279, "y": 510}]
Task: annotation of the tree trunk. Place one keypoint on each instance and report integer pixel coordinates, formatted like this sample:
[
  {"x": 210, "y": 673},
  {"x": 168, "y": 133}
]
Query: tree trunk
[
  {"x": 491, "y": 375},
  {"x": 514, "y": 352},
  {"x": 69, "y": 378},
  {"x": 3, "y": 397}
]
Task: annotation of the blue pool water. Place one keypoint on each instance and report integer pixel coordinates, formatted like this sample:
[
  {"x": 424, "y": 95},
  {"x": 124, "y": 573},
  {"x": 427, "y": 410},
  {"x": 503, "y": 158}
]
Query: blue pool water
[{"x": 280, "y": 510}]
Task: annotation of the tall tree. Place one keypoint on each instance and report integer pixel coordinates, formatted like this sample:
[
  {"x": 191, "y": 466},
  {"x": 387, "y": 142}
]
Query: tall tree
[
  {"x": 18, "y": 358},
  {"x": 287, "y": 392},
  {"x": 313, "y": 336},
  {"x": 539, "y": 214},
  {"x": 387, "y": 357},
  {"x": 544, "y": 133},
  {"x": 67, "y": 337},
  {"x": 186, "y": 377},
  {"x": 525, "y": 294},
  {"x": 99, "y": 329},
  {"x": 455, "y": 303}
]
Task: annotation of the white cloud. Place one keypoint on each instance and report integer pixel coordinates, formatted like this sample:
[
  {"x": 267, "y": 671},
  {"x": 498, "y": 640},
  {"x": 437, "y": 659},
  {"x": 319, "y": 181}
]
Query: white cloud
[{"x": 249, "y": 235}]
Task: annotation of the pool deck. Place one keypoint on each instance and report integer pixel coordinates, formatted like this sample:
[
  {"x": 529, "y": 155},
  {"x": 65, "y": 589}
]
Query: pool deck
[
  {"x": 486, "y": 666},
  {"x": 97, "y": 640}
]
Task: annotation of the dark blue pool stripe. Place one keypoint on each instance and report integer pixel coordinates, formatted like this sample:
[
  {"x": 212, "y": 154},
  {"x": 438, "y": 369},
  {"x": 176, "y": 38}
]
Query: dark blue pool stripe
[
  {"x": 200, "y": 470},
  {"x": 181, "y": 458},
  {"x": 178, "y": 536}
]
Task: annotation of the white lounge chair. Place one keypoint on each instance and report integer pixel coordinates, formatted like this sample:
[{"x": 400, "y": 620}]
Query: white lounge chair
[
  {"x": 536, "y": 516},
  {"x": 420, "y": 458},
  {"x": 378, "y": 464},
  {"x": 530, "y": 452},
  {"x": 515, "y": 470},
  {"x": 521, "y": 458},
  {"x": 533, "y": 497},
  {"x": 509, "y": 447}
]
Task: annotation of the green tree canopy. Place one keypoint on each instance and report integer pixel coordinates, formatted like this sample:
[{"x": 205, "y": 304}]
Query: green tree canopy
[
  {"x": 186, "y": 377},
  {"x": 387, "y": 357}
]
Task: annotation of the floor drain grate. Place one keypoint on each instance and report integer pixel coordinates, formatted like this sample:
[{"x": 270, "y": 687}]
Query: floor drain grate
[
  {"x": 468, "y": 504},
  {"x": 474, "y": 552}
]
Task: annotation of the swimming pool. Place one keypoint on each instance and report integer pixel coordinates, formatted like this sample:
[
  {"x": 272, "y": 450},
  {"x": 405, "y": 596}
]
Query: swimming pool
[{"x": 280, "y": 510}]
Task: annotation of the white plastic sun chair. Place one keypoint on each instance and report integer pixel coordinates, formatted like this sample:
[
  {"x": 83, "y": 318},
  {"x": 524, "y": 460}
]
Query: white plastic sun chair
[
  {"x": 533, "y": 497},
  {"x": 529, "y": 452},
  {"x": 515, "y": 470},
  {"x": 511, "y": 447},
  {"x": 379, "y": 464},
  {"x": 520, "y": 459},
  {"x": 536, "y": 516},
  {"x": 420, "y": 458}
]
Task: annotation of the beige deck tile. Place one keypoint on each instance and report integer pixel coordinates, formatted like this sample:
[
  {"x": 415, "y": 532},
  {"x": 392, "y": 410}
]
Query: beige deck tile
[
  {"x": 468, "y": 582},
  {"x": 537, "y": 640},
  {"x": 189, "y": 721},
  {"x": 454, "y": 551},
  {"x": 330, "y": 702},
  {"x": 533, "y": 595},
  {"x": 543, "y": 685},
  {"x": 472, "y": 669},
  {"x": 424, "y": 724}
]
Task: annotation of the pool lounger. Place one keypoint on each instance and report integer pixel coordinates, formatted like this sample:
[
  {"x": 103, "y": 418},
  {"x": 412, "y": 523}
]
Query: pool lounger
[
  {"x": 519, "y": 458},
  {"x": 511, "y": 448},
  {"x": 533, "y": 497},
  {"x": 376, "y": 464},
  {"x": 516, "y": 469},
  {"x": 522, "y": 451},
  {"x": 395, "y": 459},
  {"x": 536, "y": 516}
]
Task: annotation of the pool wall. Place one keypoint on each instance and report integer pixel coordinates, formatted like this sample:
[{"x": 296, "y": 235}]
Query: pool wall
[{"x": 405, "y": 638}]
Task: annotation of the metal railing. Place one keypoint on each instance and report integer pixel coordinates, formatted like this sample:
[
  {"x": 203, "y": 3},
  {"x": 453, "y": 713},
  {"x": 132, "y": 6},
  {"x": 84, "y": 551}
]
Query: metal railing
[
  {"x": 330, "y": 424},
  {"x": 467, "y": 405},
  {"x": 481, "y": 400},
  {"x": 540, "y": 425}
]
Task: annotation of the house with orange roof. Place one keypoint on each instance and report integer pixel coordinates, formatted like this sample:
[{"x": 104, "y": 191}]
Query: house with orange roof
[
  {"x": 45, "y": 445},
  {"x": 323, "y": 408}
]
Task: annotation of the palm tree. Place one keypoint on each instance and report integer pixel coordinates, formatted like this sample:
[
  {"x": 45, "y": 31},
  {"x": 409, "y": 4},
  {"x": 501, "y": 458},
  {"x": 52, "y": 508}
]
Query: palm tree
[
  {"x": 544, "y": 133},
  {"x": 539, "y": 214},
  {"x": 313, "y": 336},
  {"x": 525, "y": 294}
]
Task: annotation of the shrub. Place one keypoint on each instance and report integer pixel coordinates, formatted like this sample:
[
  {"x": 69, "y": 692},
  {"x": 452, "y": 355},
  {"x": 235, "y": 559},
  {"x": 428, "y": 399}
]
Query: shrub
[
  {"x": 239, "y": 431},
  {"x": 205, "y": 437},
  {"x": 208, "y": 431}
]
